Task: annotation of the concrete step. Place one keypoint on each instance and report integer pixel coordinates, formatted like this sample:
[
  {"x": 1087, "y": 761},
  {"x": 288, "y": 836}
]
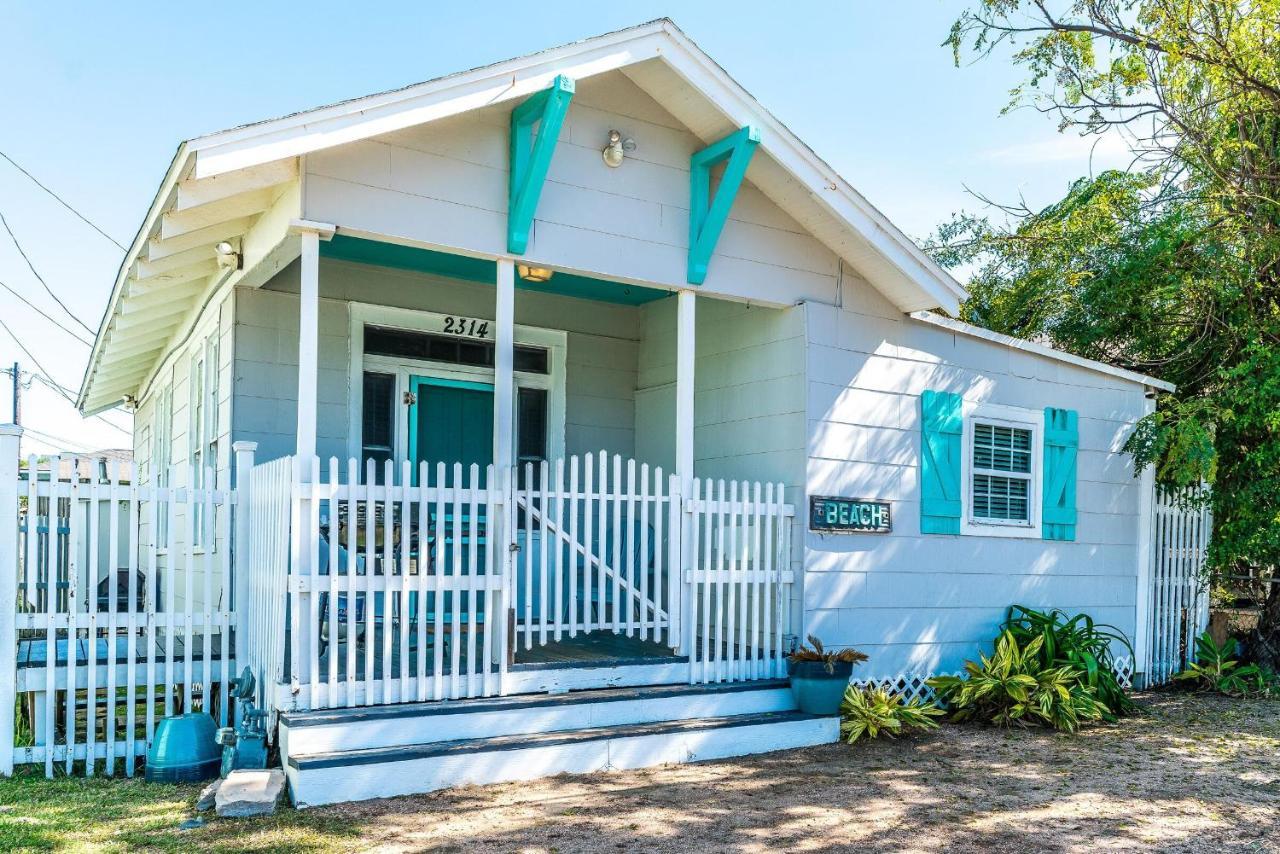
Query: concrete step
[
  {"x": 331, "y": 730},
  {"x": 352, "y": 775}
]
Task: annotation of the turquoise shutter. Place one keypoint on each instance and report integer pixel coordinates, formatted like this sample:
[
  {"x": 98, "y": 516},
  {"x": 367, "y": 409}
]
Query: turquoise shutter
[
  {"x": 1061, "y": 440},
  {"x": 941, "y": 435}
]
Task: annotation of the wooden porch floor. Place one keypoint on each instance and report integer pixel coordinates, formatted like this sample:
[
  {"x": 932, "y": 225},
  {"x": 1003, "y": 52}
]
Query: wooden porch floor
[{"x": 595, "y": 646}]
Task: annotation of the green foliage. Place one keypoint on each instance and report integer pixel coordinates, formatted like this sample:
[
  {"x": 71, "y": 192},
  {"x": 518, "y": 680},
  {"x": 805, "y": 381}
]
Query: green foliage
[
  {"x": 1216, "y": 668},
  {"x": 829, "y": 657},
  {"x": 1080, "y": 643},
  {"x": 875, "y": 711},
  {"x": 1171, "y": 268},
  {"x": 1012, "y": 687}
]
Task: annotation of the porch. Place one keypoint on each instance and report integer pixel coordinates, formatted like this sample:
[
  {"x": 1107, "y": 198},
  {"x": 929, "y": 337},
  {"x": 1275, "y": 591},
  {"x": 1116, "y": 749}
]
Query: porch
[{"x": 418, "y": 567}]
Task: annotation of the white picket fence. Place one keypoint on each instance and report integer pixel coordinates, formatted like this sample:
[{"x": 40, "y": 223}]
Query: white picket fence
[
  {"x": 738, "y": 598},
  {"x": 124, "y": 602},
  {"x": 1179, "y": 587},
  {"x": 111, "y": 628},
  {"x": 420, "y": 583}
]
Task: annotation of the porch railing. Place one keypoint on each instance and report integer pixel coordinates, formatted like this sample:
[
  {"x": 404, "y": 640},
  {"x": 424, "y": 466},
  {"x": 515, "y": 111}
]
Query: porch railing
[{"x": 423, "y": 583}]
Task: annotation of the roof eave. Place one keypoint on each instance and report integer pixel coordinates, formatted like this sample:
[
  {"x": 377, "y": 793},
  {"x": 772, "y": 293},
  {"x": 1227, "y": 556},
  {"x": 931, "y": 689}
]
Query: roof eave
[
  {"x": 178, "y": 167},
  {"x": 971, "y": 330}
]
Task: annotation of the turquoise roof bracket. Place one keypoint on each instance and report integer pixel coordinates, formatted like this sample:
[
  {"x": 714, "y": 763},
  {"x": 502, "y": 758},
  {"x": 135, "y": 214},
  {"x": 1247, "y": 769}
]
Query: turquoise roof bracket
[
  {"x": 707, "y": 215},
  {"x": 531, "y": 158}
]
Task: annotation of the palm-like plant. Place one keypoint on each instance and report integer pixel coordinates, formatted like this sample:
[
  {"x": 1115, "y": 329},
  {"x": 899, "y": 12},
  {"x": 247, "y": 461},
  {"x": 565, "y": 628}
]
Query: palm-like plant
[
  {"x": 1080, "y": 643},
  {"x": 1013, "y": 686},
  {"x": 873, "y": 712}
]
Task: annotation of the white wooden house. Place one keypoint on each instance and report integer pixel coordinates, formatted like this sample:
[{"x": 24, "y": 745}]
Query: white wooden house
[{"x": 552, "y": 376}]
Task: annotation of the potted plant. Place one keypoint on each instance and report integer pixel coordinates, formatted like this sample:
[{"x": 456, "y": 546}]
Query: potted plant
[{"x": 819, "y": 676}]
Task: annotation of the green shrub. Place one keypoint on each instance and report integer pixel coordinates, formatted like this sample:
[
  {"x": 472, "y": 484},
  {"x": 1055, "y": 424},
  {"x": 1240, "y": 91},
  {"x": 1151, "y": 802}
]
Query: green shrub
[
  {"x": 1013, "y": 687},
  {"x": 1216, "y": 669},
  {"x": 874, "y": 712},
  {"x": 1080, "y": 643}
]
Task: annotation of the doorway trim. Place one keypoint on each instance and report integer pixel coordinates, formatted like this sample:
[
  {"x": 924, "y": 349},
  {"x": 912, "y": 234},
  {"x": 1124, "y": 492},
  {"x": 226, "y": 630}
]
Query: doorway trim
[{"x": 555, "y": 341}]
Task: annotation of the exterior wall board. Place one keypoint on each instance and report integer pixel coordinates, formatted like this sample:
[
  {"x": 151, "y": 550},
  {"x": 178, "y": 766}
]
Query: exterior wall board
[{"x": 924, "y": 603}]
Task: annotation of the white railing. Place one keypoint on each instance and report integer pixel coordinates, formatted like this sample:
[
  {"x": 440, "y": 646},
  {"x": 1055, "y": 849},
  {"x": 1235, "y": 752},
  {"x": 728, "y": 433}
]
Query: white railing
[
  {"x": 261, "y": 599},
  {"x": 110, "y": 627},
  {"x": 1179, "y": 587},
  {"x": 738, "y": 592},
  {"x": 594, "y": 550},
  {"x": 396, "y": 594}
]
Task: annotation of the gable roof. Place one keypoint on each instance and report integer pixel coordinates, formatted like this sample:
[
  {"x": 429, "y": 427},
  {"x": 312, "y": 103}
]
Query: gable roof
[{"x": 220, "y": 185}]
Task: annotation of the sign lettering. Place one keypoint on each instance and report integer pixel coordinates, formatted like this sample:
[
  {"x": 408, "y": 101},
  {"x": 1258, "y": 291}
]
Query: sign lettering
[{"x": 832, "y": 515}]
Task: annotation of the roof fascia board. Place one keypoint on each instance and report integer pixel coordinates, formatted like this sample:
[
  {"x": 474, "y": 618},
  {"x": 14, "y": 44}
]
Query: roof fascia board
[
  {"x": 962, "y": 328},
  {"x": 178, "y": 169},
  {"x": 458, "y": 93}
]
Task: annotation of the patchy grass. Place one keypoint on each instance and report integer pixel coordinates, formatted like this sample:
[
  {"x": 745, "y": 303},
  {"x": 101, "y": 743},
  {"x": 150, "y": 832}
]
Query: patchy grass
[{"x": 1194, "y": 773}]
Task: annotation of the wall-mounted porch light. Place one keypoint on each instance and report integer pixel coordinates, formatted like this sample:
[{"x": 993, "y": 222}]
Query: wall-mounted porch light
[
  {"x": 617, "y": 149},
  {"x": 228, "y": 255},
  {"x": 534, "y": 274}
]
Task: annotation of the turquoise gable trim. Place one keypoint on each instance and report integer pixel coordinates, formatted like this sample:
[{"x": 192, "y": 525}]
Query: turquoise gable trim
[
  {"x": 707, "y": 216},
  {"x": 398, "y": 257},
  {"x": 941, "y": 440},
  {"x": 1061, "y": 448},
  {"x": 530, "y": 158}
]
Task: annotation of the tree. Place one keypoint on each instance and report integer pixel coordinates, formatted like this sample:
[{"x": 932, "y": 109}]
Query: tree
[{"x": 1171, "y": 268}]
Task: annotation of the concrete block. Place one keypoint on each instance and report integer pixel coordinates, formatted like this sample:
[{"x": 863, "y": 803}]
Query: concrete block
[{"x": 249, "y": 793}]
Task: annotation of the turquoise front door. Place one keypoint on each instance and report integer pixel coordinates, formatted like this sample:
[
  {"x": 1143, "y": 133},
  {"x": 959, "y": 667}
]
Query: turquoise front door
[{"x": 450, "y": 422}]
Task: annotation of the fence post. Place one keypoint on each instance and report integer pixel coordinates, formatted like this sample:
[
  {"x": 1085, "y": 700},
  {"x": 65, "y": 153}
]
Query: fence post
[
  {"x": 9, "y": 437},
  {"x": 241, "y": 558}
]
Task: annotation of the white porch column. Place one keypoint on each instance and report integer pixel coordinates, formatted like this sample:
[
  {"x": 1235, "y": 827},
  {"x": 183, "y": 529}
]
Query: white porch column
[
  {"x": 308, "y": 346},
  {"x": 311, "y": 234},
  {"x": 504, "y": 317},
  {"x": 685, "y": 306},
  {"x": 682, "y": 604}
]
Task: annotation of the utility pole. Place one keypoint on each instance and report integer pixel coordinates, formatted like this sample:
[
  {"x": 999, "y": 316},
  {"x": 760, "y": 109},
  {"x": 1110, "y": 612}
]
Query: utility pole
[{"x": 17, "y": 395}]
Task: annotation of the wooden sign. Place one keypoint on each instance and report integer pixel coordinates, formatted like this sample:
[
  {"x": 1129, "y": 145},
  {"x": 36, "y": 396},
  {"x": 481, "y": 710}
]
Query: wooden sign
[{"x": 829, "y": 515}]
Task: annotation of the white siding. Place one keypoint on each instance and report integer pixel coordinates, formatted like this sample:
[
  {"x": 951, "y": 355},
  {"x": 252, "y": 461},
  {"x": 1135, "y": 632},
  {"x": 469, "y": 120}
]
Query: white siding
[
  {"x": 445, "y": 184},
  {"x": 924, "y": 603}
]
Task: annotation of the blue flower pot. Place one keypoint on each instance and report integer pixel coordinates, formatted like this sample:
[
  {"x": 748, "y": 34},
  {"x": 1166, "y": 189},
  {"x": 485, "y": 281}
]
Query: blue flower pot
[{"x": 818, "y": 692}]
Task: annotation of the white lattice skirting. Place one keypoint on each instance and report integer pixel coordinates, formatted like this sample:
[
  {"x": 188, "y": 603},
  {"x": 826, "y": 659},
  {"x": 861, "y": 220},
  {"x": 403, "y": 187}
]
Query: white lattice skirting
[{"x": 913, "y": 685}]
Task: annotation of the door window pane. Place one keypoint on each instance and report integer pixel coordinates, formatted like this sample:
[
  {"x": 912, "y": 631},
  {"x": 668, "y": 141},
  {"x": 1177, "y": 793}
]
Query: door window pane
[{"x": 379, "y": 416}]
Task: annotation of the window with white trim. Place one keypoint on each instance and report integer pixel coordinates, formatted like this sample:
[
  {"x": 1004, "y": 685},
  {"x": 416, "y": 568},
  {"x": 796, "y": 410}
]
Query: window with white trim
[
  {"x": 163, "y": 458},
  {"x": 1001, "y": 474},
  {"x": 203, "y": 427},
  {"x": 1003, "y": 462}
]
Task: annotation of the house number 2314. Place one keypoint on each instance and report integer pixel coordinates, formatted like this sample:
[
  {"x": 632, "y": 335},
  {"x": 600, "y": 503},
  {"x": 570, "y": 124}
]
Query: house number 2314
[{"x": 467, "y": 326}]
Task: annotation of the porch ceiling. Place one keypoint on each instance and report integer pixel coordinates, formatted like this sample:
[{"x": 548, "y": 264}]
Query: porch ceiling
[{"x": 346, "y": 248}]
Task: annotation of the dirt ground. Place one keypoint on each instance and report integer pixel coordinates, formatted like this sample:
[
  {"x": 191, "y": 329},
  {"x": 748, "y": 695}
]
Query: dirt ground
[{"x": 1193, "y": 774}]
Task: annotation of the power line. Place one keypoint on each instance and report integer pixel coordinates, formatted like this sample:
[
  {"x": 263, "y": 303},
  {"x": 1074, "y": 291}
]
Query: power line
[
  {"x": 63, "y": 202},
  {"x": 45, "y": 377},
  {"x": 46, "y": 316},
  {"x": 69, "y": 444},
  {"x": 40, "y": 278}
]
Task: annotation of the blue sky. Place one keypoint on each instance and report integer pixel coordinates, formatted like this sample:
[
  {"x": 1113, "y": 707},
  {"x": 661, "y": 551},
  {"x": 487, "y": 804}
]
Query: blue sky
[{"x": 96, "y": 98}]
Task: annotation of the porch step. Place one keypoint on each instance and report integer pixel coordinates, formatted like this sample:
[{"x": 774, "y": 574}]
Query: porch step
[
  {"x": 334, "y": 730},
  {"x": 360, "y": 774}
]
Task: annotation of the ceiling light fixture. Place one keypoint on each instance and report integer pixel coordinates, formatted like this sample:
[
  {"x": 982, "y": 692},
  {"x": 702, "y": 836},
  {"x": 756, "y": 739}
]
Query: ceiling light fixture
[{"x": 534, "y": 274}]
